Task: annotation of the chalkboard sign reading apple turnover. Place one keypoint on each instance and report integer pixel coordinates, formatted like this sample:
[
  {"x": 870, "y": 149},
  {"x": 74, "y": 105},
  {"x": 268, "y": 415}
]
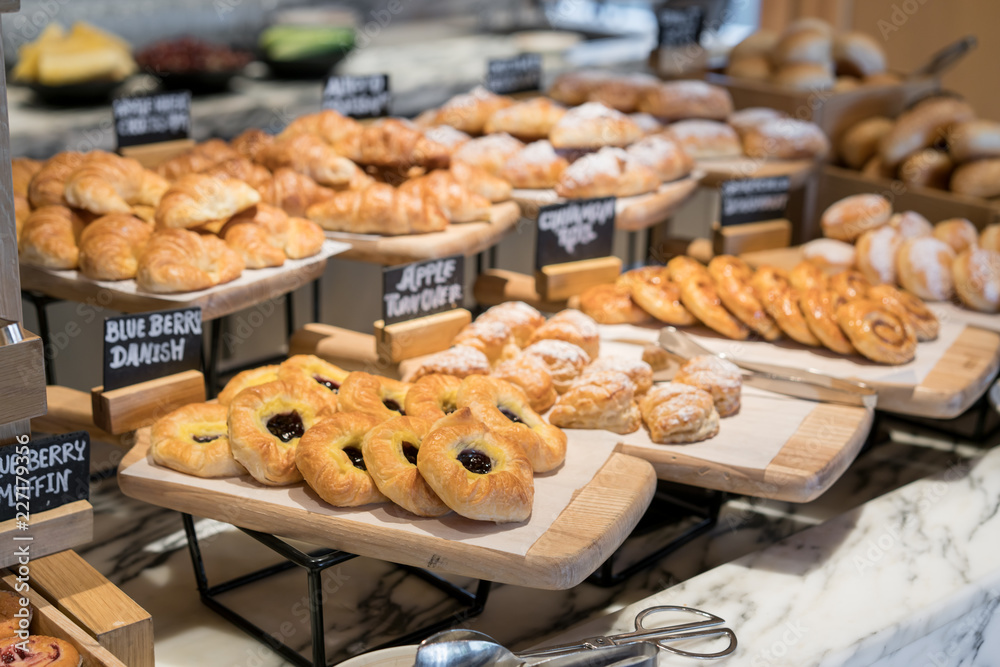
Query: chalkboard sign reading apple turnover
[
  {"x": 357, "y": 96},
  {"x": 43, "y": 474},
  {"x": 753, "y": 200},
  {"x": 514, "y": 75},
  {"x": 422, "y": 288},
  {"x": 146, "y": 346},
  {"x": 575, "y": 230},
  {"x": 150, "y": 119}
]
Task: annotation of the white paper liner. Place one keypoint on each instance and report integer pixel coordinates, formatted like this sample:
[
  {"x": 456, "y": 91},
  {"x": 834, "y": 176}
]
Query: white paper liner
[{"x": 953, "y": 312}]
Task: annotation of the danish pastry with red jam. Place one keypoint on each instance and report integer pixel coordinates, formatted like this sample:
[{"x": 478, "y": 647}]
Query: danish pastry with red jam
[
  {"x": 390, "y": 451},
  {"x": 381, "y": 397},
  {"x": 330, "y": 458},
  {"x": 311, "y": 367},
  {"x": 194, "y": 440},
  {"x": 247, "y": 378},
  {"x": 432, "y": 397}
]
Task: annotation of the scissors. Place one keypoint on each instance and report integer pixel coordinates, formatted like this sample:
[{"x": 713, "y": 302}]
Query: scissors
[{"x": 659, "y": 635}]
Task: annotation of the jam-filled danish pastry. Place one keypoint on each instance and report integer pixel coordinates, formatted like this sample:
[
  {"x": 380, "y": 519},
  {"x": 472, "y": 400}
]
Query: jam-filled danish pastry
[
  {"x": 330, "y": 458},
  {"x": 382, "y": 397},
  {"x": 194, "y": 440},
  {"x": 38, "y": 651},
  {"x": 432, "y": 397},
  {"x": 247, "y": 378},
  {"x": 267, "y": 421},
  {"x": 311, "y": 367},
  {"x": 390, "y": 451},
  {"x": 876, "y": 332},
  {"x": 475, "y": 471},
  {"x": 504, "y": 409}
]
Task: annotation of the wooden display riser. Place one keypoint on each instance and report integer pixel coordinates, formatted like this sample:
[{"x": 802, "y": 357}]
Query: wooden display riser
[
  {"x": 72, "y": 410},
  {"x": 598, "y": 519},
  {"x": 51, "y": 531},
  {"x": 467, "y": 238},
  {"x": 726, "y": 169},
  {"x": 631, "y": 213}
]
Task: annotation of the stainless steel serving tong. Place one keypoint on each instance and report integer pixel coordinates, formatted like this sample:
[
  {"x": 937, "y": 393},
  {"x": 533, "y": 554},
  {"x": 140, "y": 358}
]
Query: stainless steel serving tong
[{"x": 778, "y": 379}]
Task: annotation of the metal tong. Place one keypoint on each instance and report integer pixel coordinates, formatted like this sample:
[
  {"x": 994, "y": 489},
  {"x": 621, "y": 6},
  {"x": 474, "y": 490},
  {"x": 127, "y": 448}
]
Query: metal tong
[{"x": 778, "y": 379}]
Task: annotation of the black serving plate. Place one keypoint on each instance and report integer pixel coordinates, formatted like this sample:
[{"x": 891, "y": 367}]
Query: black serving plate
[
  {"x": 312, "y": 67},
  {"x": 199, "y": 83},
  {"x": 86, "y": 93}
]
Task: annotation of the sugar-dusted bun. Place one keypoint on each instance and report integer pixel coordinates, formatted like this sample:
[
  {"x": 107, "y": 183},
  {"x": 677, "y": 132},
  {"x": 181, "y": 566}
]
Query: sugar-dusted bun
[
  {"x": 860, "y": 142},
  {"x": 923, "y": 266},
  {"x": 804, "y": 76},
  {"x": 959, "y": 233},
  {"x": 829, "y": 254},
  {"x": 876, "y": 254},
  {"x": 911, "y": 224},
  {"x": 858, "y": 54},
  {"x": 921, "y": 126},
  {"x": 928, "y": 168},
  {"x": 786, "y": 139},
  {"x": 974, "y": 140},
  {"x": 977, "y": 179},
  {"x": 677, "y": 100},
  {"x": 752, "y": 67},
  {"x": 990, "y": 237},
  {"x": 706, "y": 138},
  {"x": 850, "y": 217},
  {"x": 803, "y": 46},
  {"x": 757, "y": 44},
  {"x": 745, "y": 120},
  {"x": 977, "y": 279}
]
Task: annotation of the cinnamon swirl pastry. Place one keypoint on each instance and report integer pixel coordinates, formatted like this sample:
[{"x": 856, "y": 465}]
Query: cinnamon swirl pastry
[
  {"x": 390, "y": 452},
  {"x": 819, "y": 306},
  {"x": 877, "y": 333},
  {"x": 331, "y": 460},
  {"x": 903, "y": 304},
  {"x": 806, "y": 275},
  {"x": 781, "y": 301},
  {"x": 654, "y": 292},
  {"x": 850, "y": 284}
]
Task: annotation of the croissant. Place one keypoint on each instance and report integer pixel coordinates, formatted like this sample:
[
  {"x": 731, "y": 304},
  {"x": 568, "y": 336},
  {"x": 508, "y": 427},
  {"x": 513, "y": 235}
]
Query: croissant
[
  {"x": 456, "y": 202},
  {"x": 394, "y": 142},
  {"x": 110, "y": 246},
  {"x": 293, "y": 192},
  {"x": 528, "y": 121},
  {"x": 197, "y": 199},
  {"x": 305, "y": 238},
  {"x": 179, "y": 260},
  {"x": 295, "y": 237},
  {"x": 48, "y": 185},
  {"x": 242, "y": 169},
  {"x": 254, "y": 245},
  {"x": 480, "y": 181},
  {"x": 108, "y": 183},
  {"x": 250, "y": 143},
  {"x": 198, "y": 158},
  {"x": 49, "y": 238},
  {"x": 22, "y": 171},
  {"x": 468, "y": 112},
  {"x": 341, "y": 132},
  {"x": 310, "y": 155},
  {"x": 378, "y": 209}
]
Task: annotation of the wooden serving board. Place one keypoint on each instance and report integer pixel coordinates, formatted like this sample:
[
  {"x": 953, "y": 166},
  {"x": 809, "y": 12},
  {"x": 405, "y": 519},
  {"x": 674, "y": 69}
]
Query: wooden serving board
[
  {"x": 725, "y": 169},
  {"x": 467, "y": 238},
  {"x": 632, "y": 213},
  {"x": 598, "y": 519}
]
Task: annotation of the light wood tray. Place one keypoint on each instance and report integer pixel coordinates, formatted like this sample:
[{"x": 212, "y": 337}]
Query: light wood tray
[
  {"x": 632, "y": 213},
  {"x": 724, "y": 169},
  {"x": 467, "y": 238},
  {"x": 599, "y": 518}
]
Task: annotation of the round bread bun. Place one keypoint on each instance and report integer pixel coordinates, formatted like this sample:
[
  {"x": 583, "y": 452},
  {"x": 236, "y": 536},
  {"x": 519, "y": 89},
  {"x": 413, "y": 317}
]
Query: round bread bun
[
  {"x": 959, "y": 233},
  {"x": 850, "y": 217},
  {"x": 678, "y": 100},
  {"x": 990, "y": 237},
  {"x": 858, "y": 54},
  {"x": 786, "y": 139},
  {"x": 977, "y": 279},
  {"x": 804, "y": 76},
  {"x": 751, "y": 67},
  {"x": 876, "y": 258},
  {"x": 746, "y": 119},
  {"x": 829, "y": 254},
  {"x": 705, "y": 138},
  {"x": 876, "y": 169},
  {"x": 928, "y": 168},
  {"x": 923, "y": 266},
  {"x": 803, "y": 46},
  {"x": 860, "y": 142},
  {"x": 921, "y": 126},
  {"x": 757, "y": 44},
  {"x": 974, "y": 140},
  {"x": 977, "y": 179},
  {"x": 911, "y": 224}
]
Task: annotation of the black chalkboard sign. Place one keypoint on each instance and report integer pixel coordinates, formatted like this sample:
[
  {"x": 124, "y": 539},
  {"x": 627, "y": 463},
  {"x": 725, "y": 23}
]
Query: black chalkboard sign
[
  {"x": 680, "y": 26},
  {"x": 146, "y": 346},
  {"x": 43, "y": 474},
  {"x": 422, "y": 288},
  {"x": 575, "y": 230},
  {"x": 753, "y": 199},
  {"x": 150, "y": 119},
  {"x": 514, "y": 75},
  {"x": 357, "y": 96}
]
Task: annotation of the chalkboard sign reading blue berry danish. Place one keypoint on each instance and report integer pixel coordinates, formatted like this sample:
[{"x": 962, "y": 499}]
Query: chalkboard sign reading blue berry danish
[
  {"x": 680, "y": 26},
  {"x": 146, "y": 346},
  {"x": 575, "y": 230},
  {"x": 514, "y": 75},
  {"x": 753, "y": 199},
  {"x": 150, "y": 119},
  {"x": 43, "y": 474},
  {"x": 422, "y": 288},
  {"x": 357, "y": 96}
]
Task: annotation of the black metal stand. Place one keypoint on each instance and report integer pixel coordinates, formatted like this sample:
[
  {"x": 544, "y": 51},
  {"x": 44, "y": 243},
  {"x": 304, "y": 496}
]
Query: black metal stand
[
  {"x": 41, "y": 302},
  {"x": 672, "y": 505},
  {"x": 314, "y": 564}
]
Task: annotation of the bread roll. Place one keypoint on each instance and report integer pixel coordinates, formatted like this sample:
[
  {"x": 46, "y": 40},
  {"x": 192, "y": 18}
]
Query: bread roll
[
  {"x": 959, "y": 233},
  {"x": 803, "y": 46},
  {"x": 911, "y": 224},
  {"x": 974, "y": 140},
  {"x": 921, "y": 126},
  {"x": 977, "y": 279},
  {"x": 928, "y": 168},
  {"x": 754, "y": 67},
  {"x": 876, "y": 254},
  {"x": 746, "y": 119},
  {"x": 786, "y": 139},
  {"x": 804, "y": 76},
  {"x": 990, "y": 237},
  {"x": 850, "y": 217},
  {"x": 977, "y": 179},
  {"x": 858, "y": 54},
  {"x": 757, "y": 44},
  {"x": 860, "y": 142},
  {"x": 677, "y": 100},
  {"x": 875, "y": 169},
  {"x": 706, "y": 139},
  {"x": 923, "y": 266}
]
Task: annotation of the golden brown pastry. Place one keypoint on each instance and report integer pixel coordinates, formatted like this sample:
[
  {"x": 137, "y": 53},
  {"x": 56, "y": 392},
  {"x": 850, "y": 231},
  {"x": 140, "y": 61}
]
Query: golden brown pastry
[
  {"x": 593, "y": 125},
  {"x": 653, "y": 290},
  {"x": 447, "y": 136},
  {"x": 858, "y": 54},
  {"x": 850, "y": 284},
  {"x": 564, "y": 361},
  {"x": 536, "y": 166},
  {"x": 331, "y": 461},
  {"x": 757, "y": 43},
  {"x": 251, "y": 143},
  {"x": 381, "y": 397},
  {"x": 459, "y": 361},
  {"x": 470, "y": 112},
  {"x": 244, "y": 170},
  {"x": 475, "y": 471},
  {"x": 921, "y": 126},
  {"x": 703, "y": 139},
  {"x": 806, "y": 45},
  {"x": 977, "y": 179},
  {"x": 599, "y": 400},
  {"x": 248, "y": 378},
  {"x": 876, "y": 254},
  {"x": 254, "y": 245},
  {"x": 751, "y": 67},
  {"x": 505, "y": 410},
  {"x": 308, "y": 154},
  {"x": 480, "y": 181},
  {"x": 806, "y": 275},
  {"x": 111, "y": 245},
  {"x": 640, "y": 372},
  {"x": 178, "y": 260},
  {"x": 489, "y": 153},
  {"x": 266, "y": 422},
  {"x": 48, "y": 185},
  {"x": 819, "y": 306},
  {"x": 440, "y": 188},
  {"x": 491, "y": 337},
  {"x": 781, "y": 301},
  {"x": 107, "y": 183},
  {"x": 390, "y": 453},
  {"x": 194, "y": 440},
  {"x": 744, "y": 120},
  {"x": 398, "y": 143},
  {"x": 199, "y": 157},
  {"x": 977, "y": 278},
  {"x": 959, "y": 233},
  {"x": 679, "y": 413},
  {"x": 860, "y": 142},
  {"x": 786, "y": 139},
  {"x": 622, "y": 91},
  {"x": 573, "y": 327},
  {"x": 679, "y": 100},
  {"x": 49, "y": 238},
  {"x": 341, "y": 132},
  {"x": 911, "y": 224},
  {"x": 829, "y": 254},
  {"x": 573, "y": 88},
  {"x": 908, "y": 307},
  {"x": 663, "y": 156},
  {"x": 311, "y": 368},
  {"x": 521, "y": 318},
  {"x": 528, "y": 121},
  {"x": 923, "y": 266},
  {"x": 22, "y": 171},
  {"x": 989, "y": 238},
  {"x": 850, "y": 217},
  {"x": 379, "y": 209},
  {"x": 699, "y": 296},
  {"x": 531, "y": 375},
  {"x": 293, "y": 192},
  {"x": 720, "y": 378},
  {"x": 657, "y": 358},
  {"x": 732, "y": 283},
  {"x": 39, "y": 651},
  {"x": 927, "y": 168},
  {"x": 612, "y": 304},
  {"x": 609, "y": 171},
  {"x": 432, "y": 397},
  {"x": 876, "y": 333},
  {"x": 197, "y": 199},
  {"x": 974, "y": 140}
]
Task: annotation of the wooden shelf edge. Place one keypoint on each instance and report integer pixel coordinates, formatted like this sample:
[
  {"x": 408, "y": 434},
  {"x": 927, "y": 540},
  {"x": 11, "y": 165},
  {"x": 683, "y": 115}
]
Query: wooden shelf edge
[{"x": 52, "y": 530}]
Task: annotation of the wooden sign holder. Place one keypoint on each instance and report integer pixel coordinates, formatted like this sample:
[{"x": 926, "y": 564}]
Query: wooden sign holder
[
  {"x": 556, "y": 282},
  {"x": 751, "y": 237},
  {"x": 129, "y": 408},
  {"x": 151, "y": 156},
  {"x": 419, "y": 336}
]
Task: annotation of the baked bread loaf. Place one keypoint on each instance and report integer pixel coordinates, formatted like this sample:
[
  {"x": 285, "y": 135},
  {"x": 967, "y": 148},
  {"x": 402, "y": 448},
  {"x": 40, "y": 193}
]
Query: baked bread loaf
[
  {"x": 923, "y": 266},
  {"x": 609, "y": 171},
  {"x": 489, "y": 153},
  {"x": 564, "y": 360},
  {"x": 49, "y": 238},
  {"x": 612, "y": 304},
  {"x": 531, "y": 375},
  {"x": 194, "y": 440},
  {"x": 921, "y": 126},
  {"x": 475, "y": 471},
  {"x": 599, "y": 400},
  {"x": 379, "y": 209},
  {"x": 111, "y": 245},
  {"x": 663, "y": 156},
  {"x": 536, "y": 166},
  {"x": 107, "y": 183},
  {"x": 720, "y": 378},
  {"x": 520, "y": 318},
  {"x": 974, "y": 140},
  {"x": 876, "y": 254},
  {"x": 332, "y": 462},
  {"x": 432, "y": 397},
  {"x": 977, "y": 179},
  {"x": 861, "y": 141},
  {"x": 379, "y": 396},
  {"x": 390, "y": 453},
  {"x": 927, "y": 168},
  {"x": 829, "y": 253},
  {"x": 178, "y": 260},
  {"x": 907, "y": 307},
  {"x": 977, "y": 279},
  {"x": 678, "y": 413},
  {"x": 197, "y": 199},
  {"x": 310, "y": 368},
  {"x": 528, "y": 121},
  {"x": 757, "y": 43},
  {"x": 469, "y": 112},
  {"x": 876, "y": 333},
  {"x": 959, "y": 233},
  {"x": 573, "y": 327},
  {"x": 593, "y": 125},
  {"x": 458, "y": 360},
  {"x": 638, "y": 371},
  {"x": 653, "y": 291},
  {"x": 248, "y": 378},
  {"x": 703, "y": 139},
  {"x": 680, "y": 100},
  {"x": 48, "y": 185},
  {"x": 699, "y": 296},
  {"x": 786, "y": 139},
  {"x": 850, "y": 217}
]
